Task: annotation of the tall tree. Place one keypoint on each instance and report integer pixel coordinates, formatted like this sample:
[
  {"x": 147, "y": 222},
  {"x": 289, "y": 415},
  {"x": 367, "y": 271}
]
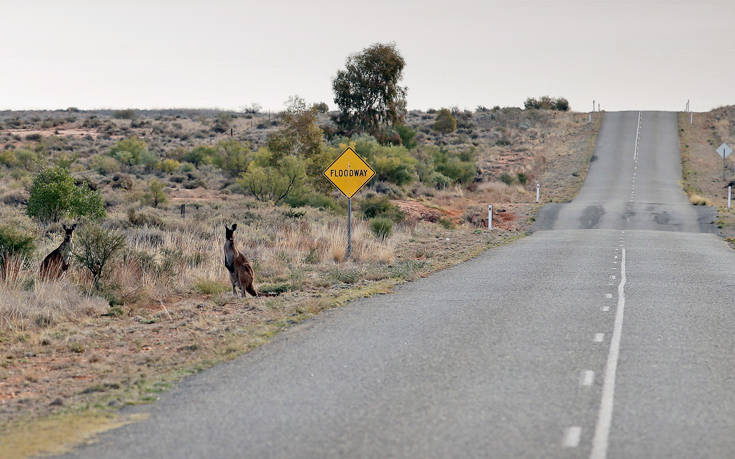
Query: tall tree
[{"x": 367, "y": 90}]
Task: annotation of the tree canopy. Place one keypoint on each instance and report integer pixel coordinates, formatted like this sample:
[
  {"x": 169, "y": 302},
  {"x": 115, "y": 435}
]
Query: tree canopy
[{"x": 367, "y": 91}]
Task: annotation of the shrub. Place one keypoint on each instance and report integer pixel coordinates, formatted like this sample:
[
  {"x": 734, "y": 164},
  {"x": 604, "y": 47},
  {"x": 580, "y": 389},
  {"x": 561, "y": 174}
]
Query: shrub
[
  {"x": 316, "y": 200},
  {"x": 380, "y": 206},
  {"x": 14, "y": 244},
  {"x": 202, "y": 154},
  {"x": 445, "y": 123},
  {"x": 446, "y": 223},
  {"x": 54, "y": 195},
  {"x": 381, "y": 227},
  {"x": 105, "y": 165},
  {"x": 7, "y": 158},
  {"x": 132, "y": 152},
  {"x": 268, "y": 182},
  {"x": 407, "y": 136},
  {"x": 506, "y": 178},
  {"x": 458, "y": 166},
  {"x": 155, "y": 194},
  {"x": 127, "y": 114},
  {"x": 395, "y": 165},
  {"x": 95, "y": 247},
  {"x": 169, "y": 166},
  {"x": 547, "y": 103},
  {"x": 522, "y": 178},
  {"x": 231, "y": 156}
]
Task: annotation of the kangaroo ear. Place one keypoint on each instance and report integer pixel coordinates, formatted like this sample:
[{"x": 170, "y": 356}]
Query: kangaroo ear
[
  {"x": 74, "y": 226},
  {"x": 63, "y": 226},
  {"x": 234, "y": 226}
]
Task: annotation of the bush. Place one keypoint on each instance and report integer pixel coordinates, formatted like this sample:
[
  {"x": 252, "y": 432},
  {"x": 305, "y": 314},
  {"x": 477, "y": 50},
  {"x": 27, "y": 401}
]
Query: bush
[
  {"x": 7, "y": 158},
  {"x": 380, "y": 206},
  {"x": 522, "y": 178},
  {"x": 381, "y": 227},
  {"x": 105, "y": 165},
  {"x": 506, "y": 178},
  {"x": 156, "y": 194},
  {"x": 169, "y": 166},
  {"x": 95, "y": 247},
  {"x": 132, "y": 152},
  {"x": 55, "y": 195},
  {"x": 211, "y": 287},
  {"x": 231, "y": 156},
  {"x": 457, "y": 166},
  {"x": 395, "y": 165},
  {"x": 316, "y": 200},
  {"x": 269, "y": 182},
  {"x": 15, "y": 244},
  {"x": 407, "y": 136},
  {"x": 202, "y": 154},
  {"x": 547, "y": 103},
  {"x": 127, "y": 114},
  {"x": 445, "y": 123}
]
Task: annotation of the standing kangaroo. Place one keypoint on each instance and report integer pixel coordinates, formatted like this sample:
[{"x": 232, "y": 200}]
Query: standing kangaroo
[
  {"x": 241, "y": 272},
  {"x": 57, "y": 262}
]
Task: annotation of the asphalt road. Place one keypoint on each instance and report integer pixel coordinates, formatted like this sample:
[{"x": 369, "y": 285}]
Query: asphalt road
[{"x": 607, "y": 333}]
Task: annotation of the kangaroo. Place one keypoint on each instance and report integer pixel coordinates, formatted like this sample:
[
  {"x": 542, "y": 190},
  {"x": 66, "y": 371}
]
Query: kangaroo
[
  {"x": 241, "y": 272},
  {"x": 57, "y": 262}
]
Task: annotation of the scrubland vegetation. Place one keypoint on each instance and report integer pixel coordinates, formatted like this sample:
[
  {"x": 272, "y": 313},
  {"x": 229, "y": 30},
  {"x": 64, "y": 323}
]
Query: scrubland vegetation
[
  {"x": 702, "y": 167},
  {"x": 147, "y": 295}
]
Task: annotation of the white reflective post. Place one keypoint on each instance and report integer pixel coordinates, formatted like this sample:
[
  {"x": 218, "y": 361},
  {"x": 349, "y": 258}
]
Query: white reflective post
[
  {"x": 729, "y": 196},
  {"x": 691, "y": 117},
  {"x": 538, "y": 192},
  {"x": 490, "y": 217}
]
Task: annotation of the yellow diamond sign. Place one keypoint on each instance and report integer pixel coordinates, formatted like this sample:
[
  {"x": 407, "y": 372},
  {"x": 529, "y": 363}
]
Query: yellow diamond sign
[{"x": 349, "y": 172}]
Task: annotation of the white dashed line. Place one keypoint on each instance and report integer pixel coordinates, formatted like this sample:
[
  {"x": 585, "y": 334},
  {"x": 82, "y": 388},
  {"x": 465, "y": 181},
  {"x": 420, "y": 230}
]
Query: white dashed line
[
  {"x": 599, "y": 337},
  {"x": 604, "y": 419},
  {"x": 605, "y": 308},
  {"x": 571, "y": 437},
  {"x": 587, "y": 378},
  {"x": 608, "y": 295}
]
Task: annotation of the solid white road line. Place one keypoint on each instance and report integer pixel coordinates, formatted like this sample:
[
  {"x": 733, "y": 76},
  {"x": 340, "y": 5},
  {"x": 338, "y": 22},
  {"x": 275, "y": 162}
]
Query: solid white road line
[
  {"x": 604, "y": 418},
  {"x": 599, "y": 337},
  {"x": 571, "y": 437}
]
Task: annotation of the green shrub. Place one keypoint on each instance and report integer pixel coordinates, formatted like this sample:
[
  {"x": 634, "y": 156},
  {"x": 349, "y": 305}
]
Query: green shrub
[
  {"x": 506, "y": 178},
  {"x": 95, "y": 247},
  {"x": 445, "y": 123},
  {"x": 231, "y": 156},
  {"x": 407, "y": 135},
  {"x": 55, "y": 195},
  {"x": 105, "y": 164},
  {"x": 547, "y": 103},
  {"x": 311, "y": 199},
  {"x": 380, "y": 206},
  {"x": 522, "y": 178},
  {"x": 169, "y": 166},
  {"x": 7, "y": 158},
  {"x": 268, "y": 182},
  {"x": 202, "y": 154},
  {"x": 127, "y": 114},
  {"x": 14, "y": 244},
  {"x": 394, "y": 165},
  {"x": 446, "y": 223},
  {"x": 155, "y": 194},
  {"x": 132, "y": 152},
  {"x": 381, "y": 227}
]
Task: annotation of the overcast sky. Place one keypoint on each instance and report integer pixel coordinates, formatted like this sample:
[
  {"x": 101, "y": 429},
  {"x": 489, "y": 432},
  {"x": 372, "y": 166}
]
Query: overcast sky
[{"x": 229, "y": 54}]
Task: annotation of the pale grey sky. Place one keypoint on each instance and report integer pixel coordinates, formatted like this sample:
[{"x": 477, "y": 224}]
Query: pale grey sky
[{"x": 229, "y": 54}]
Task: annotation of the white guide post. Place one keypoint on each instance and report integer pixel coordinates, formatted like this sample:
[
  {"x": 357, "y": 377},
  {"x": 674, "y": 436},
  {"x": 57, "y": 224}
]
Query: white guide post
[
  {"x": 538, "y": 192},
  {"x": 490, "y": 217},
  {"x": 729, "y": 196},
  {"x": 691, "y": 117}
]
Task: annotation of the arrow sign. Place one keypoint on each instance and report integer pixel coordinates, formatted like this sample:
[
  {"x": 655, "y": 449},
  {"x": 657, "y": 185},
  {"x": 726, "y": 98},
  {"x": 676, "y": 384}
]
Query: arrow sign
[{"x": 724, "y": 150}]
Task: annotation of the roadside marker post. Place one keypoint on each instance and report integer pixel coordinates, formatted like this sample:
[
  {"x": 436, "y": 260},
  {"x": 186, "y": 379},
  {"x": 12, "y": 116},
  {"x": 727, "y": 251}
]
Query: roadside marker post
[
  {"x": 729, "y": 196},
  {"x": 538, "y": 192},
  {"x": 490, "y": 217},
  {"x": 724, "y": 151},
  {"x": 691, "y": 117},
  {"x": 349, "y": 173}
]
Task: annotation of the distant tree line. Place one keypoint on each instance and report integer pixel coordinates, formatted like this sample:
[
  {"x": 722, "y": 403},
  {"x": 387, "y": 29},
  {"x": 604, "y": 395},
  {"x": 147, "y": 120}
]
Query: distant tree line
[{"x": 547, "y": 103}]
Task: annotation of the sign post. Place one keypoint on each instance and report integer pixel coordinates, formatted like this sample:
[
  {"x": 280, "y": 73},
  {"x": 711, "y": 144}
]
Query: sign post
[
  {"x": 724, "y": 151},
  {"x": 349, "y": 173}
]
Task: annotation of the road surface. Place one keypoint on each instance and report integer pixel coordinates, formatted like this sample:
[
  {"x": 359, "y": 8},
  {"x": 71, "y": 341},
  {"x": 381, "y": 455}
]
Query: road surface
[{"x": 607, "y": 333}]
